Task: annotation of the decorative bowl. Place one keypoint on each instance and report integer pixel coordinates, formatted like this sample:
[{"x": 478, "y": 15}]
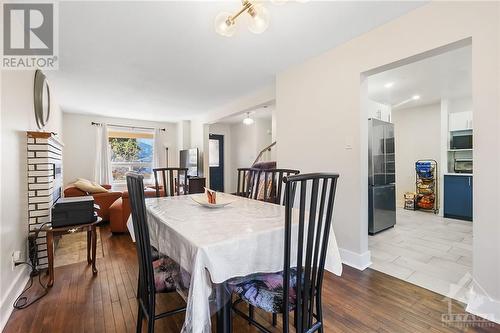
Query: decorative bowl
[{"x": 221, "y": 200}]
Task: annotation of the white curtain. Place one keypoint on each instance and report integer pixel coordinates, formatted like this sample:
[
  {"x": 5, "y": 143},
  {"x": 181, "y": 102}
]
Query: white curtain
[
  {"x": 102, "y": 170},
  {"x": 157, "y": 149}
]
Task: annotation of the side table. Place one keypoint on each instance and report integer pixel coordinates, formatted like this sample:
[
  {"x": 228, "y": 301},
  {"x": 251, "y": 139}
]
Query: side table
[{"x": 91, "y": 244}]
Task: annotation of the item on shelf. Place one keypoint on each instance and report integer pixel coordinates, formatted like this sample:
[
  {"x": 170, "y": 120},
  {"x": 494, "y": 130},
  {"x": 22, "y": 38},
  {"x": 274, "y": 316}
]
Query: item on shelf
[
  {"x": 424, "y": 170},
  {"x": 410, "y": 200},
  {"x": 426, "y": 201},
  {"x": 463, "y": 165},
  {"x": 461, "y": 141},
  {"x": 425, "y": 188},
  {"x": 426, "y": 184}
]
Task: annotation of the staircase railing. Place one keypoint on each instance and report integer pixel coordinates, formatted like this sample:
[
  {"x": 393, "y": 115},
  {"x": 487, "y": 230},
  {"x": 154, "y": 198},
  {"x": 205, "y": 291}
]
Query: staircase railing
[{"x": 268, "y": 148}]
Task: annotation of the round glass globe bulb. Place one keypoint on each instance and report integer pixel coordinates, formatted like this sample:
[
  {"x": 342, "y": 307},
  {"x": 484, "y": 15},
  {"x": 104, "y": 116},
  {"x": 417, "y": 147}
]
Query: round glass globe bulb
[
  {"x": 259, "y": 19},
  {"x": 223, "y": 25}
]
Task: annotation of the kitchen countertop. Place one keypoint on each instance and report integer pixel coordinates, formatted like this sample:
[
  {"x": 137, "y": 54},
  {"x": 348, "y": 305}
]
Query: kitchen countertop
[{"x": 458, "y": 174}]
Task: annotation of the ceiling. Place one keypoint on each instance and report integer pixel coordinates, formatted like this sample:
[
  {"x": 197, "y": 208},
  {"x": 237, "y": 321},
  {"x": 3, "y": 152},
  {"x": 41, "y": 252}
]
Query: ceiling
[
  {"x": 258, "y": 113},
  {"x": 443, "y": 76},
  {"x": 163, "y": 60}
]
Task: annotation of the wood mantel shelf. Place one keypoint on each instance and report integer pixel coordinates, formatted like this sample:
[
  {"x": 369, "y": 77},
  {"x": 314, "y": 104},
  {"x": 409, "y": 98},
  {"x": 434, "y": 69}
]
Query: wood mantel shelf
[{"x": 44, "y": 135}]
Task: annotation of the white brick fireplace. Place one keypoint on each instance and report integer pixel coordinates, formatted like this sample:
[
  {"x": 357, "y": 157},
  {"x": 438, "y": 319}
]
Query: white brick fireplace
[{"x": 44, "y": 183}]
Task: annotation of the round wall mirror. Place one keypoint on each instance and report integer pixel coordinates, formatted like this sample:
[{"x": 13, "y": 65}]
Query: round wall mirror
[{"x": 41, "y": 99}]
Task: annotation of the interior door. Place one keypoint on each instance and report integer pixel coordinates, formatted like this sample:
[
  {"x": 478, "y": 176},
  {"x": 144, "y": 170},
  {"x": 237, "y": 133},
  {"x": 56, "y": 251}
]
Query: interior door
[{"x": 216, "y": 161}]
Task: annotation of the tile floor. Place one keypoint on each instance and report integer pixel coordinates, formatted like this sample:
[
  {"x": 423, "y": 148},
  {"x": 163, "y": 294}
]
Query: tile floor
[{"x": 427, "y": 250}]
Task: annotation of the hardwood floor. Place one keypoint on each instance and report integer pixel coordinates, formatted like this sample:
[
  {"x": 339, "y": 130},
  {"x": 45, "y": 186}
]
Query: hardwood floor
[{"x": 367, "y": 301}]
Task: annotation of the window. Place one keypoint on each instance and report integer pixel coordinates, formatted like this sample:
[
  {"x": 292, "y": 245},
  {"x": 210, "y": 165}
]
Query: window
[
  {"x": 213, "y": 153},
  {"x": 131, "y": 151}
]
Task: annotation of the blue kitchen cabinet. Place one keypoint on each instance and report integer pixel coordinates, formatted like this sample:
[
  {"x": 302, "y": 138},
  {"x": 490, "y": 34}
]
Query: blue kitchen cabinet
[{"x": 458, "y": 197}]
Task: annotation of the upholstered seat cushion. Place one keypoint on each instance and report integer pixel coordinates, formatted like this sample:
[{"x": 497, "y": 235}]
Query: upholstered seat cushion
[
  {"x": 167, "y": 274},
  {"x": 265, "y": 290},
  {"x": 155, "y": 254}
]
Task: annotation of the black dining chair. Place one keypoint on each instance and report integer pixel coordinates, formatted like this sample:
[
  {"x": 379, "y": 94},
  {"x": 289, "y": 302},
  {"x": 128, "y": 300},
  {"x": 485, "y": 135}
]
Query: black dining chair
[
  {"x": 297, "y": 288},
  {"x": 266, "y": 185},
  {"x": 157, "y": 273},
  {"x": 263, "y": 184},
  {"x": 174, "y": 181}
]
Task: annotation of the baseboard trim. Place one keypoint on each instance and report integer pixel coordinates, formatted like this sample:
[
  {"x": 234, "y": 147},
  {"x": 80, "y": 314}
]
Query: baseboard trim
[
  {"x": 483, "y": 306},
  {"x": 16, "y": 287},
  {"x": 359, "y": 261}
]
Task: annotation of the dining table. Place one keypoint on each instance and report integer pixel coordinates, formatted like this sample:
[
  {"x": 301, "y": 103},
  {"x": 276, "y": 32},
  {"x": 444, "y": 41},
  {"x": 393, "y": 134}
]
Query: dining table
[{"x": 213, "y": 245}]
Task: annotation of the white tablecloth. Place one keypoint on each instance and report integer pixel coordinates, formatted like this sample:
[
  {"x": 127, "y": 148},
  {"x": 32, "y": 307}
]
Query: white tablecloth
[{"x": 214, "y": 245}]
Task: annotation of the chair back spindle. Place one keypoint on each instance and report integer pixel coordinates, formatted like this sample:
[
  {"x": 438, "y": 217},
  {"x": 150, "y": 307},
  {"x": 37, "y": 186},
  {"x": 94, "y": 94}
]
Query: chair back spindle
[
  {"x": 174, "y": 181},
  {"x": 263, "y": 184},
  {"x": 245, "y": 182}
]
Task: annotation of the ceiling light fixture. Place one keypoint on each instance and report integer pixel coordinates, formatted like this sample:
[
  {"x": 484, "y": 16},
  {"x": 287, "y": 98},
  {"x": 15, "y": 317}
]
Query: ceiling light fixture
[
  {"x": 413, "y": 98},
  {"x": 225, "y": 23},
  {"x": 248, "y": 120},
  {"x": 388, "y": 84}
]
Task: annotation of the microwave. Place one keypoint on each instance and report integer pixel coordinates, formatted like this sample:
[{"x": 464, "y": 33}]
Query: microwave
[
  {"x": 461, "y": 141},
  {"x": 463, "y": 165}
]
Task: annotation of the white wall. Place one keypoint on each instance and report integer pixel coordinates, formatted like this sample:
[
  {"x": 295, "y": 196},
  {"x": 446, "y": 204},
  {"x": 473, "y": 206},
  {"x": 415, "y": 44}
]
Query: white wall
[
  {"x": 320, "y": 100},
  {"x": 264, "y": 137},
  {"x": 247, "y": 142},
  {"x": 17, "y": 117},
  {"x": 79, "y": 141},
  {"x": 244, "y": 147},
  {"x": 184, "y": 134},
  {"x": 417, "y": 136},
  {"x": 249, "y": 102},
  {"x": 460, "y": 105},
  {"x": 273, "y": 134}
]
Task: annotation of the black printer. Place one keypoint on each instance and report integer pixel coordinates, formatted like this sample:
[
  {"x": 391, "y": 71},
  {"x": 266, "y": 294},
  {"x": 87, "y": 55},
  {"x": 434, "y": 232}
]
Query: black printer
[{"x": 74, "y": 211}]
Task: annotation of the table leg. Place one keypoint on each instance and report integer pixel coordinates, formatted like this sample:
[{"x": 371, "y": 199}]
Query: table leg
[
  {"x": 94, "y": 245},
  {"x": 89, "y": 238},
  {"x": 224, "y": 319},
  {"x": 50, "y": 257}
]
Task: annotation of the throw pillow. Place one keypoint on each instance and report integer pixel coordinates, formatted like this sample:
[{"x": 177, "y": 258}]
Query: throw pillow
[{"x": 87, "y": 186}]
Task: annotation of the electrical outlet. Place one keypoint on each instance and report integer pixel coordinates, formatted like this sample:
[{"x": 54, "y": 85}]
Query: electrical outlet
[{"x": 16, "y": 257}]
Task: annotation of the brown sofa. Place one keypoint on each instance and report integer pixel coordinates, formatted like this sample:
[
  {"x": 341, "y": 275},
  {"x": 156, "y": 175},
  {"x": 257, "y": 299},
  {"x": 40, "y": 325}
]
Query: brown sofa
[
  {"x": 119, "y": 211},
  {"x": 104, "y": 200}
]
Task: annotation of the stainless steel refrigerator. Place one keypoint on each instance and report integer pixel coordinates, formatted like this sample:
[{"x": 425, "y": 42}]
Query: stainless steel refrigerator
[{"x": 381, "y": 176}]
